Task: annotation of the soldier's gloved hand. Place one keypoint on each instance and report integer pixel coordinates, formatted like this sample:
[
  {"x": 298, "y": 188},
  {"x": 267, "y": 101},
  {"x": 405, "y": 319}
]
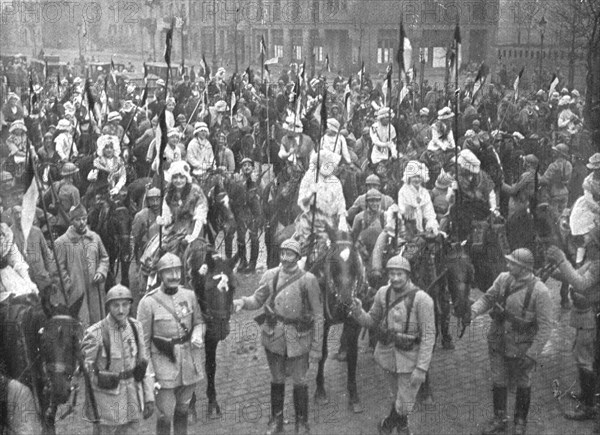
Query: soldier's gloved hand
[
  {"x": 417, "y": 377},
  {"x": 98, "y": 278},
  {"x": 554, "y": 254},
  {"x": 189, "y": 239},
  {"x": 238, "y": 305},
  {"x": 343, "y": 225},
  {"x": 148, "y": 410},
  {"x": 356, "y": 307},
  {"x": 203, "y": 269}
]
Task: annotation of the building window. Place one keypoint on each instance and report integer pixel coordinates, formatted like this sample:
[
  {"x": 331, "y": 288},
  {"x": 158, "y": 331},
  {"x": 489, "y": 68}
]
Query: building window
[
  {"x": 278, "y": 50},
  {"x": 297, "y": 50},
  {"x": 315, "y": 11},
  {"x": 318, "y": 54},
  {"x": 276, "y": 10},
  {"x": 385, "y": 49}
]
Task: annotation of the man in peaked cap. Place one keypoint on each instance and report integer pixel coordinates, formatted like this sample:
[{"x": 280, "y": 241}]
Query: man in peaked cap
[
  {"x": 287, "y": 314},
  {"x": 520, "y": 306},
  {"x": 83, "y": 262}
]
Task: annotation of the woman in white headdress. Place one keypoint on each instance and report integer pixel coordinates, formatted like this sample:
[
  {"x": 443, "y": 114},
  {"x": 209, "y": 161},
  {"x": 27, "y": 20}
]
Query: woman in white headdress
[
  {"x": 330, "y": 207},
  {"x": 414, "y": 200},
  {"x": 108, "y": 166}
]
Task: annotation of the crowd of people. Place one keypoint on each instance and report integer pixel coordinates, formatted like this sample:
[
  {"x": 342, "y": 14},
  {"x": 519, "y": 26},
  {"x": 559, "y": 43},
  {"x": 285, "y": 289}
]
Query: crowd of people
[{"x": 390, "y": 171}]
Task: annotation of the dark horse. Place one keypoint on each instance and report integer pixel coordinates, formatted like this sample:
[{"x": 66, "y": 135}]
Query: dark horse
[
  {"x": 41, "y": 349},
  {"x": 112, "y": 221},
  {"x": 280, "y": 208},
  {"x": 342, "y": 278},
  {"x": 220, "y": 217},
  {"x": 214, "y": 290}
]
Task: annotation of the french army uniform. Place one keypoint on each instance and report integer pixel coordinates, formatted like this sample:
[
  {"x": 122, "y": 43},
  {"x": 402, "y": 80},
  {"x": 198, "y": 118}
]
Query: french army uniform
[
  {"x": 521, "y": 310},
  {"x": 360, "y": 204},
  {"x": 521, "y": 192},
  {"x": 116, "y": 356},
  {"x": 292, "y": 329},
  {"x": 404, "y": 318},
  {"x": 585, "y": 294},
  {"x": 174, "y": 332}
]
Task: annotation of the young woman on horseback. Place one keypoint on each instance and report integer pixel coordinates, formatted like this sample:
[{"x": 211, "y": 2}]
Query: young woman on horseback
[
  {"x": 109, "y": 169},
  {"x": 184, "y": 213},
  {"x": 414, "y": 202},
  {"x": 330, "y": 207}
]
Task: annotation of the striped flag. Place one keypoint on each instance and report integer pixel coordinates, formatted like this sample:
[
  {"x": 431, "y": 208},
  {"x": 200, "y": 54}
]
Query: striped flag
[
  {"x": 272, "y": 61},
  {"x": 455, "y": 54},
  {"x": 347, "y": 96},
  {"x": 263, "y": 46},
  {"x": 516, "y": 84},
  {"x": 206, "y": 68},
  {"x": 145, "y": 73},
  {"x": 553, "y": 85},
  {"x": 29, "y": 199},
  {"x": 480, "y": 79},
  {"x": 404, "y": 55},
  {"x": 267, "y": 72},
  {"x": 327, "y": 66},
  {"x": 361, "y": 74},
  {"x": 162, "y": 124}
]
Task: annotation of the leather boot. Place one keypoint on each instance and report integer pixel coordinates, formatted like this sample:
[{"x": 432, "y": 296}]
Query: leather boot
[
  {"x": 497, "y": 425},
  {"x": 254, "y": 248},
  {"x": 242, "y": 254},
  {"x": 180, "y": 423},
  {"x": 403, "y": 428},
  {"x": 301, "y": 408},
  {"x": 387, "y": 425},
  {"x": 276, "y": 422},
  {"x": 163, "y": 426},
  {"x": 522, "y": 402},
  {"x": 585, "y": 409}
]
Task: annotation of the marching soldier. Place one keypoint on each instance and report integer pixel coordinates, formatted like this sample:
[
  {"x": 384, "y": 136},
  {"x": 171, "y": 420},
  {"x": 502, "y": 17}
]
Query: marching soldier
[
  {"x": 114, "y": 352},
  {"x": 292, "y": 330},
  {"x": 174, "y": 334},
  {"x": 586, "y": 301},
  {"x": 521, "y": 310},
  {"x": 404, "y": 317}
]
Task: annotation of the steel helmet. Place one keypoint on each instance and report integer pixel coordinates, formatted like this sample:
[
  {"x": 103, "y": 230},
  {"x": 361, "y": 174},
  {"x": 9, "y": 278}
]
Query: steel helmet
[
  {"x": 398, "y": 262},
  {"x": 68, "y": 169},
  {"x": 523, "y": 257},
  {"x": 168, "y": 261},
  {"x": 373, "y": 179},
  {"x": 373, "y": 194},
  {"x": 118, "y": 292}
]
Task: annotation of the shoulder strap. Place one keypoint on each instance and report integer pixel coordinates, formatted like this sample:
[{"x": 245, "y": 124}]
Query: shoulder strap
[
  {"x": 410, "y": 301},
  {"x": 527, "y": 300},
  {"x": 136, "y": 336},
  {"x": 105, "y": 341}
]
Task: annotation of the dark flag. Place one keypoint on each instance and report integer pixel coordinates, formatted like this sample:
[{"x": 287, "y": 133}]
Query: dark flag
[
  {"x": 263, "y": 46},
  {"x": 90, "y": 98},
  {"x": 324, "y": 110},
  {"x": 144, "y": 96},
  {"x": 347, "y": 95},
  {"x": 456, "y": 54},
  {"x": 387, "y": 87},
  {"x": 32, "y": 95},
  {"x": 162, "y": 122},
  {"x": 250, "y": 76},
  {"x": 327, "y": 66},
  {"x": 480, "y": 79},
  {"x": 169, "y": 45},
  {"x": 206, "y": 68}
]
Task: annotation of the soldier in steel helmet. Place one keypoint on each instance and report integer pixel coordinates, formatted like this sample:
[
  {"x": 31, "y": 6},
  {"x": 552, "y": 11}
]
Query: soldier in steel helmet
[
  {"x": 521, "y": 311},
  {"x": 174, "y": 333},
  {"x": 586, "y": 305},
  {"x": 404, "y": 317},
  {"x": 63, "y": 196},
  {"x": 115, "y": 354},
  {"x": 292, "y": 330}
]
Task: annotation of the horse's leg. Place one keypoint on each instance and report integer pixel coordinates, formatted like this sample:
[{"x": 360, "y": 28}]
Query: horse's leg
[
  {"x": 353, "y": 332},
  {"x": 125, "y": 272},
  {"x": 320, "y": 393},
  {"x": 48, "y": 420},
  {"x": 444, "y": 314},
  {"x": 210, "y": 366}
]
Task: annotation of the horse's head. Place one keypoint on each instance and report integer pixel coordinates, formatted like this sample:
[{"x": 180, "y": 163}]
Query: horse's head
[
  {"x": 344, "y": 270},
  {"x": 60, "y": 348},
  {"x": 217, "y": 286},
  {"x": 219, "y": 204}
]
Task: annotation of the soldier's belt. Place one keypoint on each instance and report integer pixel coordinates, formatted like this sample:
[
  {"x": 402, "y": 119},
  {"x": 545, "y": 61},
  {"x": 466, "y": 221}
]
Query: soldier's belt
[{"x": 302, "y": 324}]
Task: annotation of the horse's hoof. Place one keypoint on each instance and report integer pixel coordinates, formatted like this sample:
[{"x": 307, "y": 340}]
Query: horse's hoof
[
  {"x": 214, "y": 410},
  {"x": 321, "y": 398},
  {"x": 356, "y": 406}
]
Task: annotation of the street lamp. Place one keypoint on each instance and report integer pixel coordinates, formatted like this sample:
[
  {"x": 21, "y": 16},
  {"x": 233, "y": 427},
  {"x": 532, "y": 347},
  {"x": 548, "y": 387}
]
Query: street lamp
[{"x": 542, "y": 25}]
